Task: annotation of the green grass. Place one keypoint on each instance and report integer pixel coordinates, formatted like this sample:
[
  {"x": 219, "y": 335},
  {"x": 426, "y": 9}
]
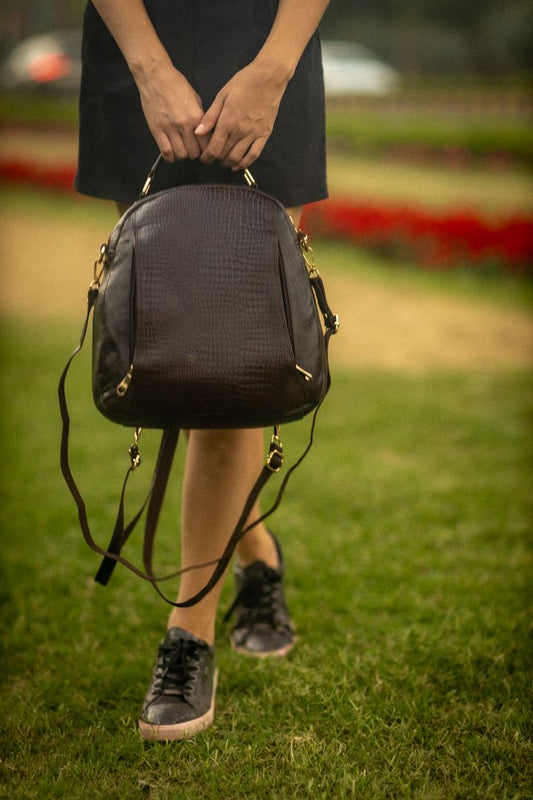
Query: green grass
[
  {"x": 406, "y": 538},
  {"x": 493, "y": 288},
  {"x": 39, "y": 109},
  {"x": 356, "y": 133}
]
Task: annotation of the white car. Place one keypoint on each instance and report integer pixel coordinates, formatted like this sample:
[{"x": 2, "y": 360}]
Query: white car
[{"x": 351, "y": 68}]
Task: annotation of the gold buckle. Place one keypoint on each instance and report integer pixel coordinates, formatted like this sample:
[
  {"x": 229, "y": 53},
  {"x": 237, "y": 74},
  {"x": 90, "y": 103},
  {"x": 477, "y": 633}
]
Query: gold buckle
[
  {"x": 307, "y": 253},
  {"x": 274, "y": 460},
  {"x": 134, "y": 453},
  {"x": 99, "y": 266}
]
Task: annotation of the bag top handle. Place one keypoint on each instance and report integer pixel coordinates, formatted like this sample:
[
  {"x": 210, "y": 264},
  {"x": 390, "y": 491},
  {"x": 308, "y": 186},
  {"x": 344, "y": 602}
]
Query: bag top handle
[{"x": 248, "y": 177}]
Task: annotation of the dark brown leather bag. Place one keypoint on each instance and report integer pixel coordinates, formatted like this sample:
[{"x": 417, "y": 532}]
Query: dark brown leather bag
[{"x": 205, "y": 316}]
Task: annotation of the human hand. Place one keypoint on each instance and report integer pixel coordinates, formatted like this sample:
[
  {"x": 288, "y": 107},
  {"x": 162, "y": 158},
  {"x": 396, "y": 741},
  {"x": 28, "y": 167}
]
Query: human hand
[
  {"x": 172, "y": 110},
  {"x": 241, "y": 118}
]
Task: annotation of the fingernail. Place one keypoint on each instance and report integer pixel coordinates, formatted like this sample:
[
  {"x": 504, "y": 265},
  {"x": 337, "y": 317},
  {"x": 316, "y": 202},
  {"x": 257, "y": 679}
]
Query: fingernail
[{"x": 199, "y": 130}]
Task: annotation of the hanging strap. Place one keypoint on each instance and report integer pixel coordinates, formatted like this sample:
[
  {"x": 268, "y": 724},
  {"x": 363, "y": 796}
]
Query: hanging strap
[{"x": 154, "y": 500}]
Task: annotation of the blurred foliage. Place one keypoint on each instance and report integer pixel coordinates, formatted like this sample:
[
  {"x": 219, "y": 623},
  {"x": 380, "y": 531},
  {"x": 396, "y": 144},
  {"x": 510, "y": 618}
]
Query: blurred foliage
[
  {"x": 485, "y": 36},
  {"x": 39, "y": 109},
  {"x": 356, "y": 133},
  {"x": 351, "y": 131}
]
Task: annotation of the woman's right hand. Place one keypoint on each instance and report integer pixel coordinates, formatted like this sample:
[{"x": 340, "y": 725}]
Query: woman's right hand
[{"x": 173, "y": 110}]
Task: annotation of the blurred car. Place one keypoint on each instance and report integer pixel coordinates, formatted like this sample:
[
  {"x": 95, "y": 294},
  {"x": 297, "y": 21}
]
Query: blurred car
[
  {"x": 49, "y": 61},
  {"x": 351, "y": 68},
  {"x": 52, "y": 61}
]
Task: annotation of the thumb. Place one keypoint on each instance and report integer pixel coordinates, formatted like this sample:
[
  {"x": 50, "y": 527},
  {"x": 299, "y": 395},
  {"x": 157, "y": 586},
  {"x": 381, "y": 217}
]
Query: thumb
[{"x": 209, "y": 119}]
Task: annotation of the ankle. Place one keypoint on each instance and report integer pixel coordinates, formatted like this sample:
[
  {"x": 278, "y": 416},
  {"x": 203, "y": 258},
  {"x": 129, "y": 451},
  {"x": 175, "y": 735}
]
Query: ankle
[
  {"x": 198, "y": 628},
  {"x": 258, "y": 545}
]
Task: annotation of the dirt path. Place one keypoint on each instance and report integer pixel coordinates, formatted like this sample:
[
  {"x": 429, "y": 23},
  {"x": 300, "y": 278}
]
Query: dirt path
[{"x": 47, "y": 266}]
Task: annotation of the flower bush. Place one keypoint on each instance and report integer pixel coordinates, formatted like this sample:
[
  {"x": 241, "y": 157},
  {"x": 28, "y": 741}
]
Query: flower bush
[
  {"x": 435, "y": 239},
  {"x": 41, "y": 175}
]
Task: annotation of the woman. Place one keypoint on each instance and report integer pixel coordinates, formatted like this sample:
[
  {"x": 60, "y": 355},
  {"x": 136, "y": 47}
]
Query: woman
[{"x": 216, "y": 87}]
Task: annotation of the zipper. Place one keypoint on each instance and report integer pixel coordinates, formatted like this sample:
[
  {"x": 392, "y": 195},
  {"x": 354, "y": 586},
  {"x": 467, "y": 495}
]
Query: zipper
[
  {"x": 124, "y": 384},
  {"x": 307, "y": 375},
  {"x": 288, "y": 316},
  {"x": 285, "y": 296}
]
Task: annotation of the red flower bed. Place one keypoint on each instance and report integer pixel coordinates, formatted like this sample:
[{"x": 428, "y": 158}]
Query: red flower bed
[
  {"x": 436, "y": 239},
  {"x": 41, "y": 175}
]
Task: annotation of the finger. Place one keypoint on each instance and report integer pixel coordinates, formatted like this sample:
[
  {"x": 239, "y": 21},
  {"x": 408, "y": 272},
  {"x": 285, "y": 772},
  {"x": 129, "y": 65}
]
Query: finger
[
  {"x": 190, "y": 140},
  {"x": 237, "y": 152},
  {"x": 178, "y": 148},
  {"x": 210, "y": 118},
  {"x": 252, "y": 155},
  {"x": 217, "y": 148},
  {"x": 191, "y": 145},
  {"x": 165, "y": 147},
  {"x": 203, "y": 141}
]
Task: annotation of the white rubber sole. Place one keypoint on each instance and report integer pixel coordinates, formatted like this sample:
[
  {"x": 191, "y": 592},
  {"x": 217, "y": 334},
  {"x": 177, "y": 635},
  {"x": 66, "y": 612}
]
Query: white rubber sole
[
  {"x": 262, "y": 654},
  {"x": 182, "y": 730}
]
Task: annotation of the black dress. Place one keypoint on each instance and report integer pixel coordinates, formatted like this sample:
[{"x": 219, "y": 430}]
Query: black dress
[{"x": 208, "y": 41}]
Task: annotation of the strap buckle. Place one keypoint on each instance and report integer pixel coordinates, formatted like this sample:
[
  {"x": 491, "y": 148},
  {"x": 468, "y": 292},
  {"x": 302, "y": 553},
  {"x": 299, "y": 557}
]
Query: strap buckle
[
  {"x": 133, "y": 451},
  {"x": 99, "y": 266},
  {"x": 275, "y": 458}
]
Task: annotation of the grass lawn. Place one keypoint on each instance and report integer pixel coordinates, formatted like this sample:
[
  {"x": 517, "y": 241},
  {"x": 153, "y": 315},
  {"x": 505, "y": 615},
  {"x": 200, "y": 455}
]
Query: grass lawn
[{"x": 406, "y": 538}]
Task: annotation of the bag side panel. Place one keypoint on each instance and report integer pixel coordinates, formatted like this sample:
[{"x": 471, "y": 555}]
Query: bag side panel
[
  {"x": 112, "y": 323},
  {"x": 307, "y": 334}
]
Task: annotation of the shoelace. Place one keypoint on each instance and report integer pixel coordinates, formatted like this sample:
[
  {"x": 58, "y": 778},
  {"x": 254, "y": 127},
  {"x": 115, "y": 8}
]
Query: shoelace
[
  {"x": 260, "y": 599},
  {"x": 176, "y": 667}
]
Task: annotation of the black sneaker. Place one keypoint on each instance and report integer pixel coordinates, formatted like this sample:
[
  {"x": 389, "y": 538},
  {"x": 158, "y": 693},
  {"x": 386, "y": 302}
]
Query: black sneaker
[
  {"x": 263, "y": 626},
  {"x": 180, "y": 701}
]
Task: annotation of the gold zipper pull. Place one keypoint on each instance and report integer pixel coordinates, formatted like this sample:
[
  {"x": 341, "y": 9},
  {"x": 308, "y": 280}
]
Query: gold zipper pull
[
  {"x": 307, "y": 375},
  {"x": 124, "y": 384}
]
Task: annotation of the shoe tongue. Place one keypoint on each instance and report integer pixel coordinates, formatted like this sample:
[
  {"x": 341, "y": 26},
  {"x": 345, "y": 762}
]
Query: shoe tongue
[{"x": 176, "y": 634}]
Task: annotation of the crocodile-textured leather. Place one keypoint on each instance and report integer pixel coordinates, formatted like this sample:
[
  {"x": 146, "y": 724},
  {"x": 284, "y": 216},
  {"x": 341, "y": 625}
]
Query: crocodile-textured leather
[{"x": 207, "y": 295}]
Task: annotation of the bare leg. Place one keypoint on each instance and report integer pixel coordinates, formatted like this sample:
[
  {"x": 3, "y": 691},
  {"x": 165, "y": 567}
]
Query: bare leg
[{"x": 221, "y": 469}]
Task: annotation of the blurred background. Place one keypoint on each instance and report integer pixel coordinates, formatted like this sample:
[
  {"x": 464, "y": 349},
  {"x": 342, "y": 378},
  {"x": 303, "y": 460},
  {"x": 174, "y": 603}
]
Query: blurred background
[
  {"x": 491, "y": 37},
  {"x": 437, "y": 88},
  {"x": 429, "y": 126}
]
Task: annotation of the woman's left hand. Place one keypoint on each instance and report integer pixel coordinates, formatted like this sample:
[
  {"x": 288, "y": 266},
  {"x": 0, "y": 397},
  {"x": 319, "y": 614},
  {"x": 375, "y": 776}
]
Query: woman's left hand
[{"x": 242, "y": 116}]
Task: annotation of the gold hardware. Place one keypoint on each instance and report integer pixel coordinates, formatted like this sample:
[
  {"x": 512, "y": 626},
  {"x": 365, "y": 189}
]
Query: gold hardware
[
  {"x": 146, "y": 187},
  {"x": 99, "y": 266},
  {"x": 133, "y": 451},
  {"x": 150, "y": 178},
  {"x": 336, "y": 323},
  {"x": 250, "y": 180},
  {"x": 124, "y": 384},
  {"x": 307, "y": 375},
  {"x": 275, "y": 453},
  {"x": 307, "y": 253}
]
